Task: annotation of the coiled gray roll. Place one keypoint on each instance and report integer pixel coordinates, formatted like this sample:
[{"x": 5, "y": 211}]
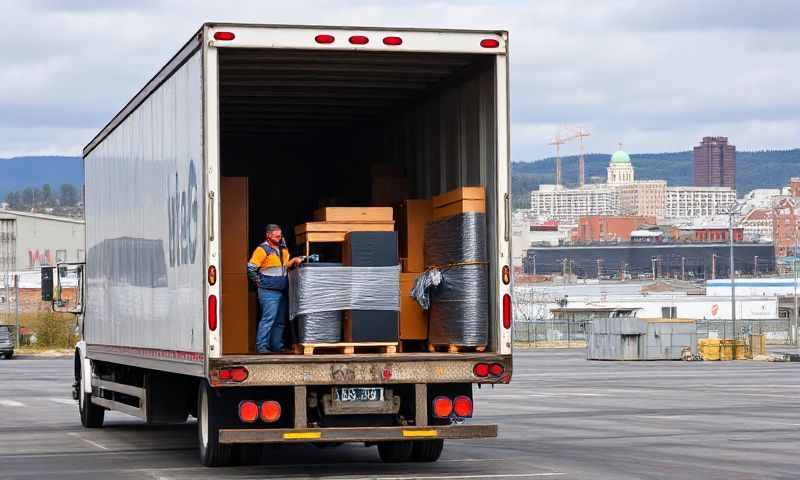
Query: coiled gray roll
[
  {"x": 320, "y": 327},
  {"x": 459, "y": 304},
  {"x": 460, "y": 307},
  {"x": 456, "y": 239}
]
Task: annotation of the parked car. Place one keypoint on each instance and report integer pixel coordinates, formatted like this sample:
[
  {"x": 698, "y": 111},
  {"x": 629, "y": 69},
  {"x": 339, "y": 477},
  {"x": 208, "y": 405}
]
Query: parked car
[{"x": 6, "y": 342}]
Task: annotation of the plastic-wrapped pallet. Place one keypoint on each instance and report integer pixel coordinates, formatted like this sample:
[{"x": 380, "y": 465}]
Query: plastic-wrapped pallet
[
  {"x": 318, "y": 292},
  {"x": 459, "y": 297}
]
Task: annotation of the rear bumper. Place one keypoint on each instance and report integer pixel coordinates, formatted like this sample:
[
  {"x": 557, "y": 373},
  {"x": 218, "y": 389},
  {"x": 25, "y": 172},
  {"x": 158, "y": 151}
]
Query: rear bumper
[
  {"x": 360, "y": 434},
  {"x": 377, "y": 369}
]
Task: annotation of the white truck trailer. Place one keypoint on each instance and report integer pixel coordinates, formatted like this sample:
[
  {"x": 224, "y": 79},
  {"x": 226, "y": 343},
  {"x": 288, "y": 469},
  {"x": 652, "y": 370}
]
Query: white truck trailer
[{"x": 297, "y": 115}]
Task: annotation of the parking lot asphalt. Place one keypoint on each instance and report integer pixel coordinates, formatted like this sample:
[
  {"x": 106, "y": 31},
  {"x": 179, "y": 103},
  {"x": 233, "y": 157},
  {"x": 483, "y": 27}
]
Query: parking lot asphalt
[{"x": 561, "y": 417}]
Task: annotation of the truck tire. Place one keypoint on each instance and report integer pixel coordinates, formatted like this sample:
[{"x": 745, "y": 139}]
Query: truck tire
[
  {"x": 212, "y": 453},
  {"x": 395, "y": 452},
  {"x": 427, "y": 450},
  {"x": 92, "y": 415},
  {"x": 8, "y": 355}
]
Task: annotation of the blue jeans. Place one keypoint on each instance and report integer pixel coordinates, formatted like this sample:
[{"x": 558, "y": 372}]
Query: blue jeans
[{"x": 269, "y": 335}]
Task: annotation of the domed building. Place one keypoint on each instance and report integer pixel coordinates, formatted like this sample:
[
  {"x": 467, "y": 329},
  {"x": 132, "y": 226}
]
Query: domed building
[{"x": 620, "y": 170}]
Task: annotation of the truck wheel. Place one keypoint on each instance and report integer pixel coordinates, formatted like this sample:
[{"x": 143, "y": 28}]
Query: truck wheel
[
  {"x": 212, "y": 453},
  {"x": 427, "y": 450},
  {"x": 395, "y": 452},
  {"x": 8, "y": 355},
  {"x": 92, "y": 415}
]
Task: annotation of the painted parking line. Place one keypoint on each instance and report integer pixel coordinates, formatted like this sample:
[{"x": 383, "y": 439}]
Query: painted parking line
[
  {"x": 94, "y": 444},
  {"x": 11, "y": 403},
  {"x": 64, "y": 401}
]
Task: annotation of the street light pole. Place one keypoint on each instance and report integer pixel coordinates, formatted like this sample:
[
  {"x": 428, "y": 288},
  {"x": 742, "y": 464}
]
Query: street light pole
[
  {"x": 733, "y": 272},
  {"x": 794, "y": 267}
]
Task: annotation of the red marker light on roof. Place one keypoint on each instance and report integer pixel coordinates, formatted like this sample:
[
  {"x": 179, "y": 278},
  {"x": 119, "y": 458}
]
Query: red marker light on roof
[
  {"x": 224, "y": 36},
  {"x": 324, "y": 39},
  {"x": 359, "y": 40},
  {"x": 490, "y": 43},
  {"x": 392, "y": 41}
]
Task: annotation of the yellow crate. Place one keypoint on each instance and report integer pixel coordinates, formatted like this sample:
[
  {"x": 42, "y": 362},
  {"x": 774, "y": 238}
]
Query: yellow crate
[
  {"x": 709, "y": 349},
  {"x": 726, "y": 348},
  {"x": 742, "y": 350}
]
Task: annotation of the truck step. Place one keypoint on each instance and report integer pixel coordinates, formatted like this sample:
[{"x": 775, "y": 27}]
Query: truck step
[
  {"x": 451, "y": 348},
  {"x": 345, "y": 348}
]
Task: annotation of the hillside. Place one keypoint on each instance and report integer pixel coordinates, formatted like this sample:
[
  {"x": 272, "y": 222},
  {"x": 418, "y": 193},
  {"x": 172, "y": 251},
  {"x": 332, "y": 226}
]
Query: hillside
[
  {"x": 20, "y": 172},
  {"x": 764, "y": 169}
]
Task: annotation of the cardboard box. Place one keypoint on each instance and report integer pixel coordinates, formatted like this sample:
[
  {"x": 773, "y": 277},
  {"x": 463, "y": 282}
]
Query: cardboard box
[
  {"x": 413, "y": 319},
  {"x": 455, "y": 208},
  {"x": 459, "y": 195},
  {"x": 415, "y": 215},
  {"x": 460, "y": 200},
  {"x": 354, "y": 214}
]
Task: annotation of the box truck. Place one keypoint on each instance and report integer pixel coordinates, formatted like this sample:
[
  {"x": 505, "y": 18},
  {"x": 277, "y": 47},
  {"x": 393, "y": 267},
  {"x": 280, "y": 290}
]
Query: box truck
[{"x": 253, "y": 124}]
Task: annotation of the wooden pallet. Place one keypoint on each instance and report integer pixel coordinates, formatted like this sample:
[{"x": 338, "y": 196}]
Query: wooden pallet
[
  {"x": 345, "y": 348},
  {"x": 450, "y": 348}
]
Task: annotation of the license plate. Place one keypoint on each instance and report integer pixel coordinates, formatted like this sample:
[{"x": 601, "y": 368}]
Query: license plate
[{"x": 358, "y": 394}]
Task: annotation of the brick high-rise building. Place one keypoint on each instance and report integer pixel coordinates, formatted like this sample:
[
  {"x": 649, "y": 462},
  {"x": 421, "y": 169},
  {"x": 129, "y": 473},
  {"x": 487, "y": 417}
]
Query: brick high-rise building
[{"x": 715, "y": 163}]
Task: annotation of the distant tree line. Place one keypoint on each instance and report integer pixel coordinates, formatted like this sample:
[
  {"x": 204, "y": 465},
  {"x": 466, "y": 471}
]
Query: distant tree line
[{"x": 67, "y": 195}]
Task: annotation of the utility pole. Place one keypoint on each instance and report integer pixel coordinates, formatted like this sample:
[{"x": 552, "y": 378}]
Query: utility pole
[
  {"x": 713, "y": 266},
  {"x": 534, "y": 264},
  {"x": 794, "y": 267},
  {"x": 16, "y": 303},
  {"x": 755, "y": 267},
  {"x": 683, "y": 268},
  {"x": 733, "y": 277},
  {"x": 653, "y": 262},
  {"x": 598, "y": 268}
]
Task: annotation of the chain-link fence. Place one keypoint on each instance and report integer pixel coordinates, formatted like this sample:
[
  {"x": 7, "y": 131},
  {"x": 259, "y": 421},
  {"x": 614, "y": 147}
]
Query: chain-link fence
[
  {"x": 550, "y": 333},
  {"x": 777, "y": 331},
  {"x": 572, "y": 333}
]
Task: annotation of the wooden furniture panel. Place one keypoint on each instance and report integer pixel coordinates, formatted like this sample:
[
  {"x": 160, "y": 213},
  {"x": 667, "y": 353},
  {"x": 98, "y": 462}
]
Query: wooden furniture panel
[
  {"x": 413, "y": 319},
  {"x": 354, "y": 214},
  {"x": 238, "y": 327},
  {"x": 417, "y": 213}
]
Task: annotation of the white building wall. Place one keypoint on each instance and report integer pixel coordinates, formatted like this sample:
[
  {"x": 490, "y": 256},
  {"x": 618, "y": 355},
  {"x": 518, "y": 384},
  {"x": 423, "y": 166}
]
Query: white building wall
[{"x": 45, "y": 239}]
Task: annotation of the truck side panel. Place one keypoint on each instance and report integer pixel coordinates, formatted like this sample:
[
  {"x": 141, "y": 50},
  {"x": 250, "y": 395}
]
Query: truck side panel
[{"x": 145, "y": 223}]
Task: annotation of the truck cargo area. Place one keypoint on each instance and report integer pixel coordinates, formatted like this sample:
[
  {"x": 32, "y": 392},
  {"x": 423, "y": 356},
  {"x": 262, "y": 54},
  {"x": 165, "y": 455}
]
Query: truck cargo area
[{"x": 301, "y": 130}]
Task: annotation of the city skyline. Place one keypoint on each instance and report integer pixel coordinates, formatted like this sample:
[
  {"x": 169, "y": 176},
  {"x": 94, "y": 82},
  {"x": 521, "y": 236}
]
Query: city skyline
[{"x": 619, "y": 68}]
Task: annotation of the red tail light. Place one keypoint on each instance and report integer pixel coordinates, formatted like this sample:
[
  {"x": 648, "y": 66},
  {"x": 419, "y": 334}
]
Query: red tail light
[
  {"x": 235, "y": 374},
  {"x": 489, "y": 43},
  {"x": 324, "y": 38},
  {"x": 224, "y": 36},
  {"x": 270, "y": 411},
  {"x": 442, "y": 407},
  {"x": 248, "y": 411},
  {"x": 393, "y": 41},
  {"x": 462, "y": 406},
  {"x": 506, "y": 311},
  {"x": 212, "y": 312},
  {"x": 481, "y": 370},
  {"x": 359, "y": 40},
  {"x": 496, "y": 369}
]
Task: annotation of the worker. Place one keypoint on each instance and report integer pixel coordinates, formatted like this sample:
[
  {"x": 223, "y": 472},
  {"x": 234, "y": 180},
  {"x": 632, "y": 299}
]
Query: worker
[{"x": 268, "y": 268}]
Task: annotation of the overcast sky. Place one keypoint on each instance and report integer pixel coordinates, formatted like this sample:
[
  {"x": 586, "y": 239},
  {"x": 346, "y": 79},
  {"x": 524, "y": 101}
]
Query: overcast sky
[{"x": 655, "y": 75}]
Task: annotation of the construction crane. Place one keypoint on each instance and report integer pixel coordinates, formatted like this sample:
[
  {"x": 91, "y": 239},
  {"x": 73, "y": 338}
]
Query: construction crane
[{"x": 558, "y": 140}]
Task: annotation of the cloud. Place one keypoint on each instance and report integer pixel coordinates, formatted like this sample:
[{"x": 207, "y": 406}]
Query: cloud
[{"x": 655, "y": 74}]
